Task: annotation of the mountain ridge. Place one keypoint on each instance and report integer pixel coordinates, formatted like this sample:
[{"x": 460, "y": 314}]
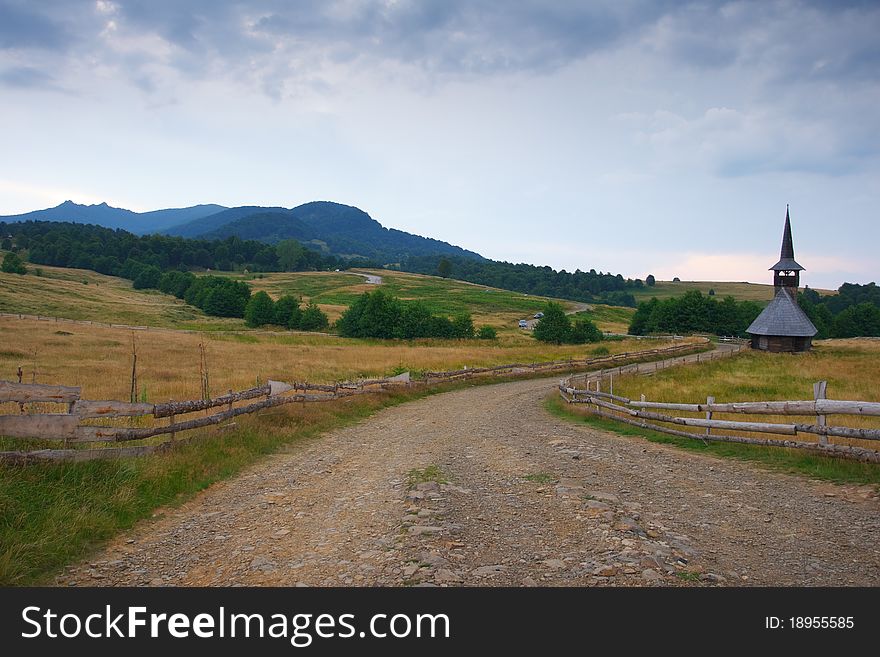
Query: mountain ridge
[
  {"x": 327, "y": 226},
  {"x": 108, "y": 216}
]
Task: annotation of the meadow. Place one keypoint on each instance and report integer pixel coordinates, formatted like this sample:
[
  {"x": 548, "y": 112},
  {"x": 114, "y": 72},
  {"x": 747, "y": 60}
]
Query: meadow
[
  {"x": 741, "y": 291},
  {"x": 849, "y": 366},
  {"x": 99, "y": 358}
]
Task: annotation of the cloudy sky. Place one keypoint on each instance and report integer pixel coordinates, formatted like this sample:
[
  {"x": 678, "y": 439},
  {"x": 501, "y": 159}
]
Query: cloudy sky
[{"x": 621, "y": 135}]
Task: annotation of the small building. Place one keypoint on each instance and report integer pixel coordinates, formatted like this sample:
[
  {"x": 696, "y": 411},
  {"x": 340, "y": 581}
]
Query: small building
[{"x": 783, "y": 325}]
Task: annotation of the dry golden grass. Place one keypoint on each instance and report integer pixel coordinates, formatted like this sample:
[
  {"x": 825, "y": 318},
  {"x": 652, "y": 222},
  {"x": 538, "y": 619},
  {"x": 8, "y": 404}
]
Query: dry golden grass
[
  {"x": 849, "y": 366},
  {"x": 99, "y": 358},
  {"x": 86, "y": 295}
]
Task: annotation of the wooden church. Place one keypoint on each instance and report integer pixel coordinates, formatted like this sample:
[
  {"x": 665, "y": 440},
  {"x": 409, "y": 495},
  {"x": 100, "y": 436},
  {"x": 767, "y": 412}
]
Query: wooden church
[{"x": 783, "y": 325}]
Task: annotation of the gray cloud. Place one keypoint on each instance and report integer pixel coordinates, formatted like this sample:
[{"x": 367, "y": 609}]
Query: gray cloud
[
  {"x": 22, "y": 26},
  {"x": 24, "y": 77}
]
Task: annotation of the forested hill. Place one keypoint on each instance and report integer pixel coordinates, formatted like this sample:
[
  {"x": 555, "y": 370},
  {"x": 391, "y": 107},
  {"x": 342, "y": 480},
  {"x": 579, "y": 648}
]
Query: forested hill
[
  {"x": 332, "y": 227},
  {"x": 101, "y": 214}
]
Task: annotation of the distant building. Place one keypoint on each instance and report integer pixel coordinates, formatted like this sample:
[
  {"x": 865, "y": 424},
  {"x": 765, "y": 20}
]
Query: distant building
[{"x": 783, "y": 325}]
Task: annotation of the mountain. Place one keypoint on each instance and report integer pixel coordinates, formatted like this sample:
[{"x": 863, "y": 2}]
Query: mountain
[
  {"x": 110, "y": 217},
  {"x": 210, "y": 223},
  {"x": 332, "y": 227}
]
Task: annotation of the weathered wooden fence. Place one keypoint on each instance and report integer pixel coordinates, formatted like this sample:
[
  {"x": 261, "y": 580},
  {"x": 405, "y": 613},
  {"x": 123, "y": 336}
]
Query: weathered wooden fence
[
  {"x": 644, "y": 414},
  {"x": 76, "y": 425}
]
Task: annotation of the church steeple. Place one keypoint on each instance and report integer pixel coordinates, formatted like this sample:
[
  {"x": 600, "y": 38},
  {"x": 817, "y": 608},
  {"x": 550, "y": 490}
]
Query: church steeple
[{"x": 786, "y": 272}]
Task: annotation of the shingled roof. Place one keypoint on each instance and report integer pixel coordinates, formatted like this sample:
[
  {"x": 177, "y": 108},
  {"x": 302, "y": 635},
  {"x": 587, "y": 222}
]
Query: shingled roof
[
  {"x": 783, "y": 316},
  {"x": 786, "y": 257}
]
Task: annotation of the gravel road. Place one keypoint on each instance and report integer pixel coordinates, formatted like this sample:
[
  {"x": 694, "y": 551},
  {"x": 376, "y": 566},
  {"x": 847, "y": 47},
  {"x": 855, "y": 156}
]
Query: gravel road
[{"x": 530, "y": 500}]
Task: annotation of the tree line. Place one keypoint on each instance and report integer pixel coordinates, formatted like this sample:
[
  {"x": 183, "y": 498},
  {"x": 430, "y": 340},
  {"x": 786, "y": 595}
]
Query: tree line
[
  {"x": 113, "y": 252},
  {"x": 854, "y": 311},
  {"x": 694, "y": 313},
  {"x": 380, "y": 315},
  {"x": 589, "y": 286}
]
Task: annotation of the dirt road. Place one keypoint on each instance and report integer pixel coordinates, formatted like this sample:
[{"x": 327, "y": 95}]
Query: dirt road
[{"x": 531, "y": 499}]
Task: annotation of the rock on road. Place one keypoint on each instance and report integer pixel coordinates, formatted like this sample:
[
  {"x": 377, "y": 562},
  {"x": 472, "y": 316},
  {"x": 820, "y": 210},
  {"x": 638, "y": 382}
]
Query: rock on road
[{"x": 530, "y": 500}]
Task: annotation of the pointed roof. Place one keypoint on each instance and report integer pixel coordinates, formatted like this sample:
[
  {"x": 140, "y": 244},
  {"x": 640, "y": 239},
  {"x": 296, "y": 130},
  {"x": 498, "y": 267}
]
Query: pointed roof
[
  {"x": 783, "y": 316},
  {"x": 786, "y": 256}
]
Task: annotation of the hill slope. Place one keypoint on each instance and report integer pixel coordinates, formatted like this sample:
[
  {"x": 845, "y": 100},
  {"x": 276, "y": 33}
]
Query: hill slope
[
  {"x": 333, "y": 227},
  {"x": 102, "y": 214}
]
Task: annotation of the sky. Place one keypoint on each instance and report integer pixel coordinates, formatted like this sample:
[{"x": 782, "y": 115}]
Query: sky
[{"x": 636, "y": 137}]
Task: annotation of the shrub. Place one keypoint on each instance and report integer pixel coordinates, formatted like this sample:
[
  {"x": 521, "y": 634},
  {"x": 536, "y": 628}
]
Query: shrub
[
  {"x": 260, "y": 310},
  {"x": 487, "y": 333},
  {"x": 287, "y": 312},
  {"x": 12, "y": 264},
  {"x": 553, "y": 326},
  {"x": 380, "y": 315},
  {"x": 313, "y": 319}
]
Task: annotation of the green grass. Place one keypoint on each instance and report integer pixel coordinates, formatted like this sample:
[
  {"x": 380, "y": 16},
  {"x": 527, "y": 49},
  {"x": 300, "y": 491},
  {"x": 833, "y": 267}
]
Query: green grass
[
  {"x": 52, "y": 514},
  {"x": 741, "y": 291},
  {"x": 541, "y": 478},
  {"x": 787, "y": 460},
  {"x": 424, "y": 475}
]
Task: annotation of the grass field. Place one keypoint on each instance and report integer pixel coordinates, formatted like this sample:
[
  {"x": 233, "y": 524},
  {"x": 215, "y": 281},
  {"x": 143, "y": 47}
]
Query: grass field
[
  {"x": 86, "y": 295},
  {"x": 335, "y": 291},
  {"x": 99, "y": 358},
  {"x": 849, "y": 366},
  {"x": 739, "y": 291}
]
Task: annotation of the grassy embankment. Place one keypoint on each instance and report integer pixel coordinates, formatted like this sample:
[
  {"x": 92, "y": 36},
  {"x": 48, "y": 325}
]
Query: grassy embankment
[
  {"x": 758, "y": 292},
  {"x": 849, "y": 366}
]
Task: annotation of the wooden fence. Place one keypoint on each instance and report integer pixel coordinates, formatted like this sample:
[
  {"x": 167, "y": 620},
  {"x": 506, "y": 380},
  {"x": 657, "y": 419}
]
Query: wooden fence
[
  {"x": 76, "y": 425},
  {"x": 644, "y": 414}
]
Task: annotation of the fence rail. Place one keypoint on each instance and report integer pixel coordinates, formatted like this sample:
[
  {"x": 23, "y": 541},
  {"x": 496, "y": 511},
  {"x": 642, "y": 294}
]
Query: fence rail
[
  {"x": 643, "y": 414},
  {"x": 75, "y": 426}
]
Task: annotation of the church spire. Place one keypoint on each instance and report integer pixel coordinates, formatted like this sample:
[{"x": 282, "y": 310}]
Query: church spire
[{"x": 786, "y": 255}]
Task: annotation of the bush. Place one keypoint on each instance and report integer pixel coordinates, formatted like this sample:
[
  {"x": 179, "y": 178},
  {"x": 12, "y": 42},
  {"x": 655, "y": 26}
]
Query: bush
[
  {"x": 313, "y": 319},
  {"x": 583, "y": 330},
  {"x": 287, "y": 312},
  {"x": 553, "y": 326},
  {"x": 487, "y": 333},
  {"x": 556, "y": 327},
  {"x": 260, "y": 310},
  {"x": 12, "y": 264},
  {"x": 380, "y": 315}
]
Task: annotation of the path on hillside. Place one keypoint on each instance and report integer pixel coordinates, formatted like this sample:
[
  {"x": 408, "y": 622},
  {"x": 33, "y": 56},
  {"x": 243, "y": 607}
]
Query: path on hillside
[
  {"x": 371, "y": 279},
  {"x": 531, "y": 499}
]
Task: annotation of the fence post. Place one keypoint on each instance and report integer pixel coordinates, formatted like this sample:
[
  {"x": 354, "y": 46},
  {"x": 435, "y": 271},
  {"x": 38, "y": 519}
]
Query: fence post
[
  {"x": 171, "y": 423},
  {"x": 819, "y": 390},
  {"x": 709, "y": 400},
  {"x": 611, "y": 382}
]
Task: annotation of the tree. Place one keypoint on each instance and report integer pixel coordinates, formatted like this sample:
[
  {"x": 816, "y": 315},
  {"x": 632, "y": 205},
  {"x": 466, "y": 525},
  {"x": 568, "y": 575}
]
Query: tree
[
  {"x": 583, "y": 330},
  {"x": 260, "y": 310},
  {"x": 487, "y": 333},
  {"x": 553, "y": 326},
  {"x": 650, "y": 281},
  {"x": 287, "y": 312},
  {"x": 12, "y": 264},
  {"x": 313, "y": 319},
  {"x": 147, "y": 278},
  {"x": 462, "y": 326},
  {"x": 444, "y": 267},
  {"x": 6, "y": 245},
  {"x": 711, "y": 291},
  {"x": 290, "y": 254}
]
